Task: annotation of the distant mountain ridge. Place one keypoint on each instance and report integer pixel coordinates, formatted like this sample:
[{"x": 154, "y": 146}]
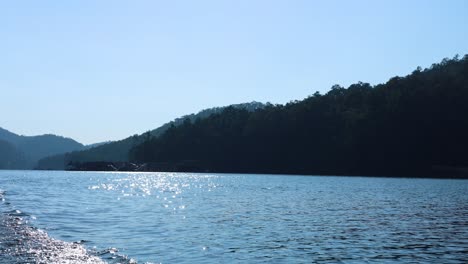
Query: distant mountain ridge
[
  {"x": 23, "y": 152},
  {"x": 118, "y": 151},
  {"x": 10, "y": 157}
]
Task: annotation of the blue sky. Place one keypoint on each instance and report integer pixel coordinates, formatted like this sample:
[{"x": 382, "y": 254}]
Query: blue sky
[{"x": 104, "y": 70}]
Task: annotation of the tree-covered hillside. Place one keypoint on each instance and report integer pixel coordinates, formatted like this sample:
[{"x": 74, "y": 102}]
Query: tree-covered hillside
[
  {"x": 10, "y": 157},
  {"x": 118, "y": 151},
  {"x": 27, "y": 150},
  {"x": 414, "y": 125}
]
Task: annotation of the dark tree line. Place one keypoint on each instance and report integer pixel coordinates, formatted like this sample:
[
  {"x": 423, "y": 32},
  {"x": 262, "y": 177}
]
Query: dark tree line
[
  {"x": 117, "y": 151},
  {"x": 415, "y": 125}
]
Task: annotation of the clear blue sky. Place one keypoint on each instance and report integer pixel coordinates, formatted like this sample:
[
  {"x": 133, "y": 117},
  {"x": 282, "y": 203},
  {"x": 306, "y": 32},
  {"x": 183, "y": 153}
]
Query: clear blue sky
[{"x": 104, "y": 70}]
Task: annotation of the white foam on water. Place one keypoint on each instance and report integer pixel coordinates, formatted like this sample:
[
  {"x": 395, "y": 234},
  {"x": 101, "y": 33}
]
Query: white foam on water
[{"x": 21, "y": 243}]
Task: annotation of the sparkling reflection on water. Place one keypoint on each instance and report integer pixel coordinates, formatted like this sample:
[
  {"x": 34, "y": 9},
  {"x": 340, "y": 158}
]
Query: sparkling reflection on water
[{"x": 212, "y": 218}]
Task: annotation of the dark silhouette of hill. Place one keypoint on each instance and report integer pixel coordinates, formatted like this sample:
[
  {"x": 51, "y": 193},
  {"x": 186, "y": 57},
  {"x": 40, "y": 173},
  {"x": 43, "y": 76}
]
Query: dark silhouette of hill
[
  {"x": 10, "y": 157},
  {"x": 117, "y": 151},
  {"x": 23, "y": 152},
  {"x": 9, "y": 136},
  {"x": 415, "y": 125}
]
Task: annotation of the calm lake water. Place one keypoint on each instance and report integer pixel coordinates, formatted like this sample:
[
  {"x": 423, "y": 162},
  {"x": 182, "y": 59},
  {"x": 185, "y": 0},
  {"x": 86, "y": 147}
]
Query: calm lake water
[{"x": 87, "y": 217}]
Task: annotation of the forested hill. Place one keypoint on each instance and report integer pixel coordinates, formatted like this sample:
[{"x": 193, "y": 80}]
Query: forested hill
[
  {"x": 117, "y": 151},
  {"x": 410, "y": 126},
  {"x": 23, "y": 152},
  {"x": 10, "y": 157}
]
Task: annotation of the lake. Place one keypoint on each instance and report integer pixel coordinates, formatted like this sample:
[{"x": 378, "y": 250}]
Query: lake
[{"x": 89, "y": 217}]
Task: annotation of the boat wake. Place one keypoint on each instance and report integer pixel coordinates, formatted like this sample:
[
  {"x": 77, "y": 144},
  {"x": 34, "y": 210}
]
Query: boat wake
[{"x": 21, "y": 243}]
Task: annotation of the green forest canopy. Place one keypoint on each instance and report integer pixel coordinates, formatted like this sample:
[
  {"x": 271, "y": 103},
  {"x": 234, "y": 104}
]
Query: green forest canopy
[{"x": 414, "y": 125}]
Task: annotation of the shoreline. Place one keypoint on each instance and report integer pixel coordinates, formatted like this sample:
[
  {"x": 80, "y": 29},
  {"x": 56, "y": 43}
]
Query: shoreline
[{"x": 450, "y": 177}]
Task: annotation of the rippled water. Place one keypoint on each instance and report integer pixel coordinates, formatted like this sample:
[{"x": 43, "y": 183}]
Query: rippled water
[{"x": 87, "y": 217}]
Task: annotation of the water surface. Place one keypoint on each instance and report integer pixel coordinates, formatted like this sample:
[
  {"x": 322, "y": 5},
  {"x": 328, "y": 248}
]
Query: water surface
[{"x": 85, "y": 217}]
